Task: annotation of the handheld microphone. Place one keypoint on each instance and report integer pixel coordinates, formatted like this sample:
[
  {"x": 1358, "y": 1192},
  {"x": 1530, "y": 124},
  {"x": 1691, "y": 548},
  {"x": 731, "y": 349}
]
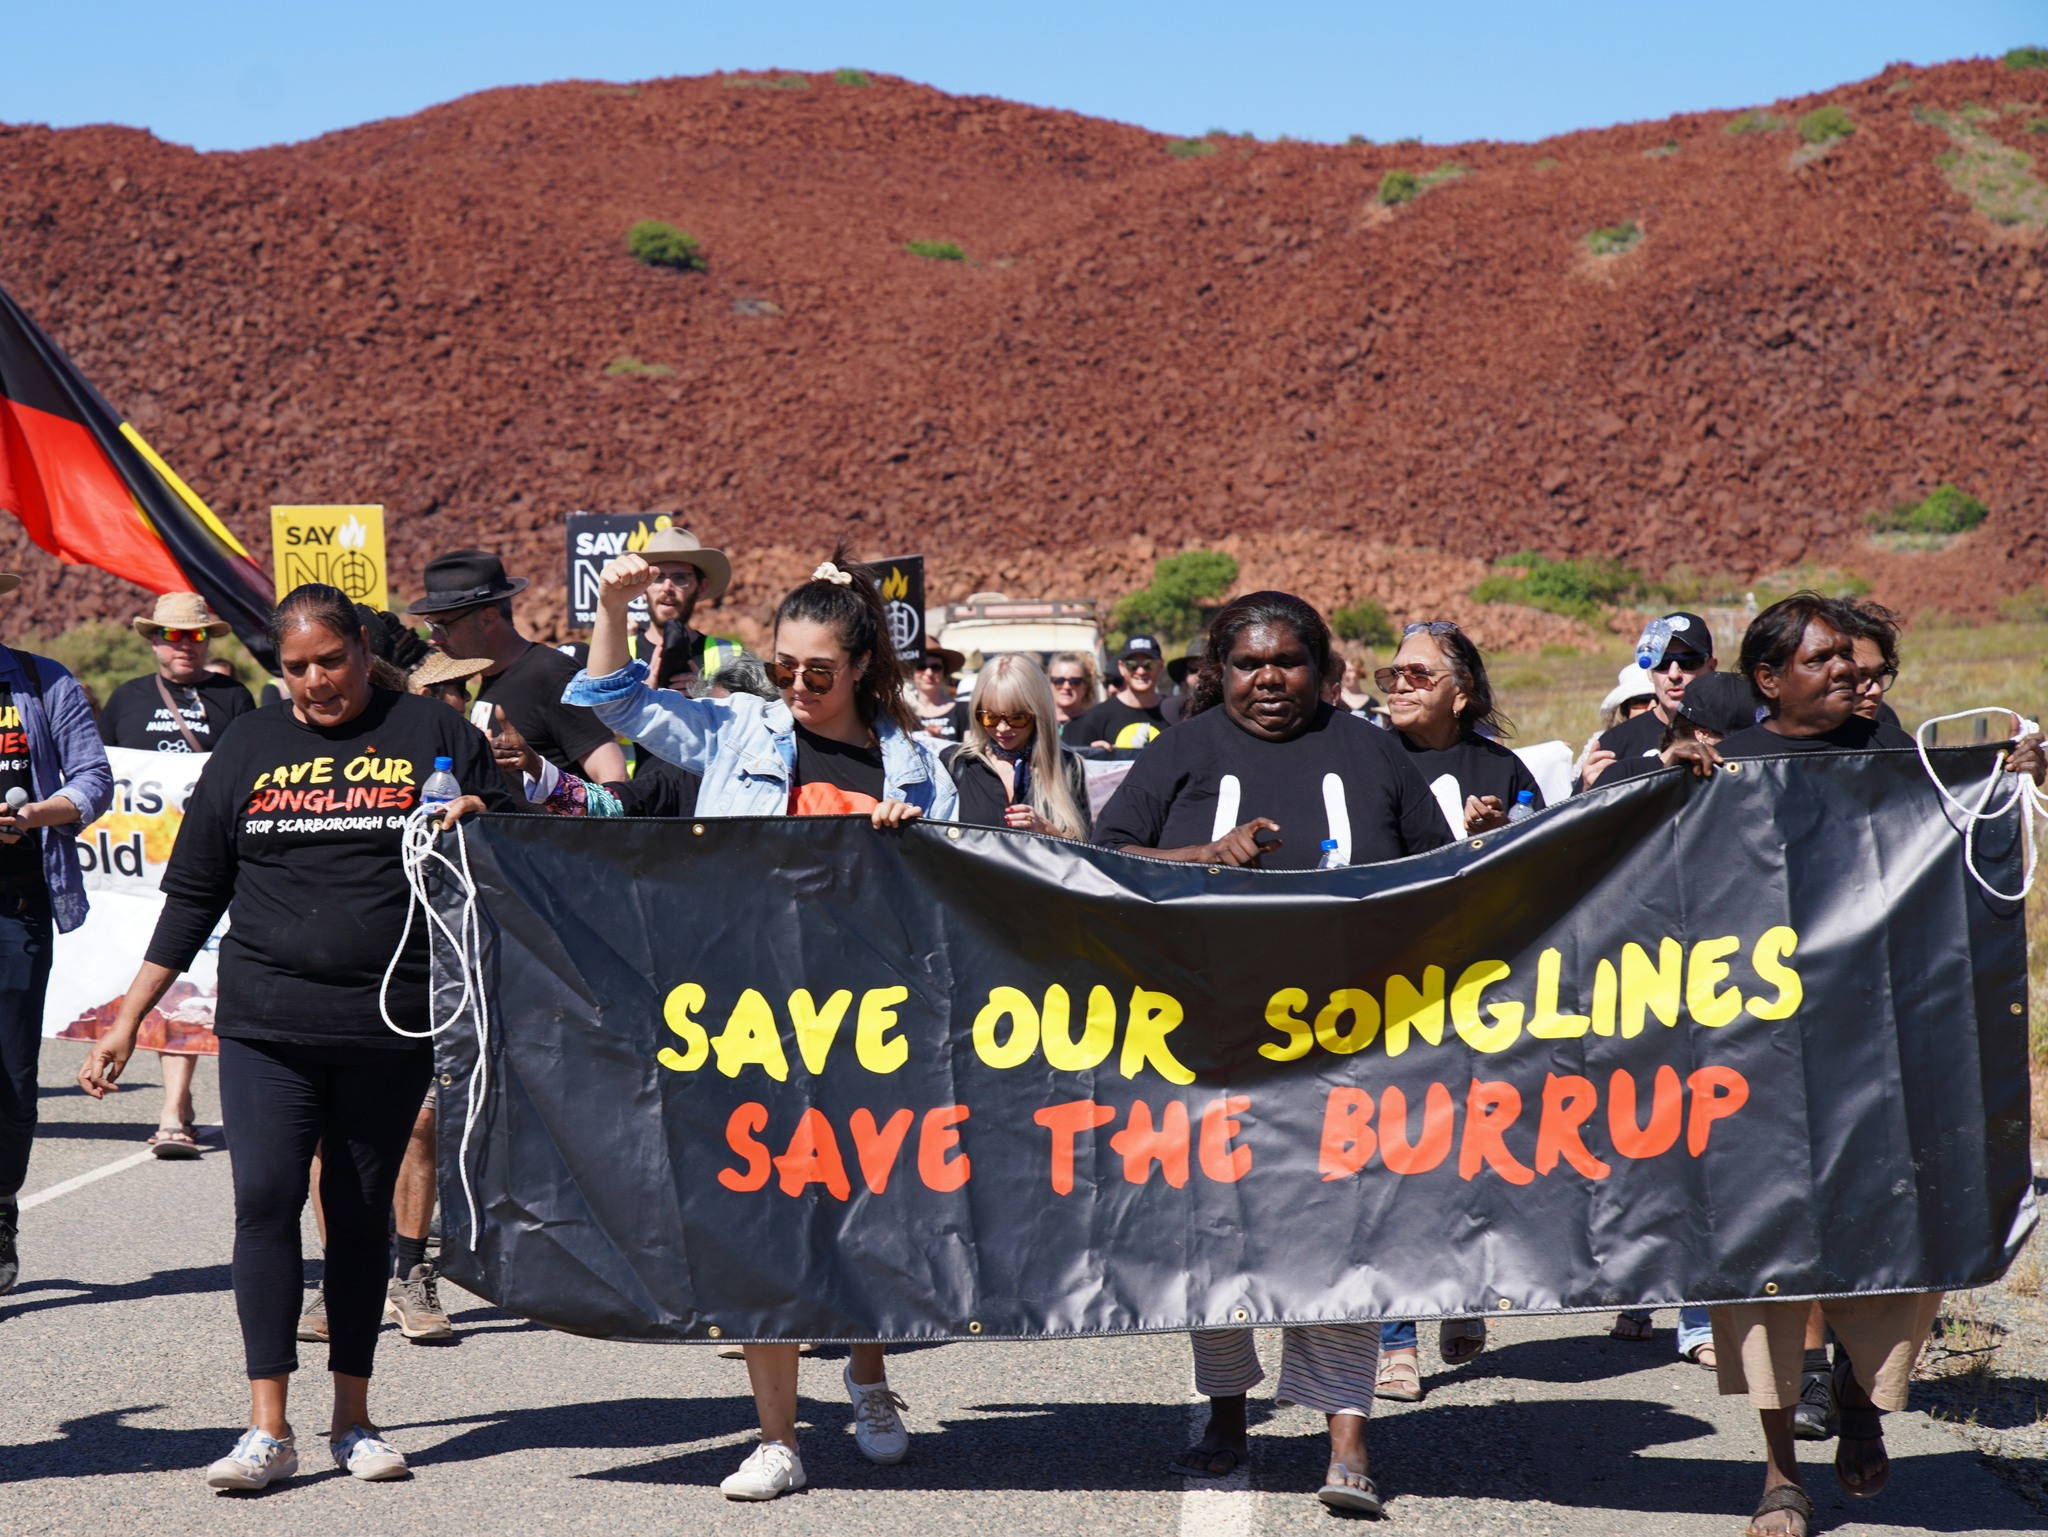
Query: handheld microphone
[{"x": 17, "y": 798}]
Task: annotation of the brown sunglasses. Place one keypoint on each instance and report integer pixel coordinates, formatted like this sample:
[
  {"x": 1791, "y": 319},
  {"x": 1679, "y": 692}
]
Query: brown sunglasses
[
  {"x": 818, "y": 680},
  {"x": 990, "y": 719}
]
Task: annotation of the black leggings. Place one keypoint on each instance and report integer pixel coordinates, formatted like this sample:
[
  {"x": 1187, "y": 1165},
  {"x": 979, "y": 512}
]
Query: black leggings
[{"x": 279, "y": 1103}]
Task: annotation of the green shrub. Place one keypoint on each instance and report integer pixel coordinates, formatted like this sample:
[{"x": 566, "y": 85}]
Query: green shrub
[
  {"x": 1754, "y": 122},
  {"x": 1189, "y": 149},
  {"x": 1548, "y": 163},
  {"x": 633, "y": 368},
  {"x": 2027, "y": 58},
  {"x": 663, "y": 245},
  {"x": 1357, "y": 140},
  {"x": 935, "y": 250},
  {"x": 1824, "y": 125},
  {"x": 2029, "y": 607},
  {"x": 854, "y": 77},
  {"x": 1171, "y": 607},
  {"x": 1365, "y": 622},
  {"x": 2037, "y": 125},
  {"x": 1578, "y": 589},
  {"x": 1946, "y": 509},
  {"x": 1397, "y": 187},
  {"x": 1663, "y": 151},
  {"x": 1613, "y": 239},
  {"x": 1411, "y": 142}
]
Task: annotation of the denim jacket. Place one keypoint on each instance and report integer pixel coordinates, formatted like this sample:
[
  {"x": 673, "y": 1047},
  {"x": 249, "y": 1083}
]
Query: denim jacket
[
  {"x": 65, "y": 758},
  {"x": 744, "y": 748}
]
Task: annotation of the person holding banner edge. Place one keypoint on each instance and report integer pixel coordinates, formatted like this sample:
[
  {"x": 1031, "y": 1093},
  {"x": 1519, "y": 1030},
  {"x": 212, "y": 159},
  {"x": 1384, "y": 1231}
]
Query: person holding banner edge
[
  {"x": 296, "y": 827},
  {"x": 846, "y": 743},
  {"x": 1260, "y": 753}
]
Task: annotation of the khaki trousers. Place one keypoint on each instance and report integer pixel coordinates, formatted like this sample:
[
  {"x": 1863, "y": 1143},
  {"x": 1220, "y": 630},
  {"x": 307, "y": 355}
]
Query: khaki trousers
[{"x": 1760, "y": 1346}]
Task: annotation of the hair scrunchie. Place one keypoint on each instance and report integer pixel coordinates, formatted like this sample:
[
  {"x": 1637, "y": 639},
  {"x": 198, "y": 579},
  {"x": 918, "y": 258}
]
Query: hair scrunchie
[{"x": 831, "y": 573}]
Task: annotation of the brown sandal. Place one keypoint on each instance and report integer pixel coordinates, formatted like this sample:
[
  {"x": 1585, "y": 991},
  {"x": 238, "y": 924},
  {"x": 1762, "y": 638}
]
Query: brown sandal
[
  {"x": 1400, "y": 1379},
  {"x": 1785, "y": 1497}
]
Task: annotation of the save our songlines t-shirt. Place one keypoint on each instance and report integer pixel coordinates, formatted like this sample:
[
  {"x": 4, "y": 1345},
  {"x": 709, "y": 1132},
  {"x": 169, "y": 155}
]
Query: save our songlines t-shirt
[
  {"x": 1339, "y": 779},
  {"x": 21, "y": 860},
  {"x": 294, "y": 832},
  {"x": 834, "y": 778},
  {"x": 135, "y": 714}
]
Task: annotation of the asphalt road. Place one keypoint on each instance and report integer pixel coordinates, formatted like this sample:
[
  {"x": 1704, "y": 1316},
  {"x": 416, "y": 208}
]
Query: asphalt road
[{"x": 122, "y": 1380}]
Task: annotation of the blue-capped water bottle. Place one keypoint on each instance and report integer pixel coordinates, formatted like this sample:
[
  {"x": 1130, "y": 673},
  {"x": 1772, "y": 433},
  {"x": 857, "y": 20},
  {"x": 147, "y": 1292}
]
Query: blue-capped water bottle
[
  {"x": 1650, "y": 646},
  {"x": 1331, "y": 860},
  {"x": 1523, "y": 808},
  {"x": 441, "y": 786}
]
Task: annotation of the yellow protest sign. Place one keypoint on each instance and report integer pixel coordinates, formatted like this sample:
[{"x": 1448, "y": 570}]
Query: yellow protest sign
[{"x": 341, "y": 546}]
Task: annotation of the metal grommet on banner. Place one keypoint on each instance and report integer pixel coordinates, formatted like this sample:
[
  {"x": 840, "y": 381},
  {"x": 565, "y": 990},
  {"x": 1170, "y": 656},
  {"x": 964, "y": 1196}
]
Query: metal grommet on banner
[
  {"x": 953, "y": 833},
  {"x": 974, "y": 1326},
  {"x": 1240, "y": 1315},
  {"x": 1505, "y": 1305},
  {"x": 1479, "y": 843},
  {"x": 1215, "y": 869},
  {"x": 715, "y": 1332},
  {"x": 1770, "y": 1288},
  {"x": 2019, "y": 1008},
  {"x": 1733, "y": 768},
  {"x": 697, "y": 828},
  {"x": 447, "y": 1080}
]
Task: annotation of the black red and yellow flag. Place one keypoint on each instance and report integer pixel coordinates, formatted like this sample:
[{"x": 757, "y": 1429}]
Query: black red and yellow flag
[{"x": 90, "y": 491}]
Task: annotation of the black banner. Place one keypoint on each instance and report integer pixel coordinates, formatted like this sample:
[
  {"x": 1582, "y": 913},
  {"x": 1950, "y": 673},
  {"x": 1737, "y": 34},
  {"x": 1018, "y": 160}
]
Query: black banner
[{"x": 1760, "y": 1036}]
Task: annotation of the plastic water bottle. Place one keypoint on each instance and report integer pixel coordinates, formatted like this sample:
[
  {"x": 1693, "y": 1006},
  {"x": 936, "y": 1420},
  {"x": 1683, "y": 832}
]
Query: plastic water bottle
[
  {"x": 1650, "y": 646},
  {"x": 441, "y": 786},
  {"x": 1331, "y": 860},
  {"x": 1523, "y": 808}
]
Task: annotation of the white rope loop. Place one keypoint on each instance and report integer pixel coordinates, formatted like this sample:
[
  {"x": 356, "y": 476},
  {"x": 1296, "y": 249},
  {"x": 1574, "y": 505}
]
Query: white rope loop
[
  {"x": 2027, "y": 796},
  {"x": 418, "y": 854}
]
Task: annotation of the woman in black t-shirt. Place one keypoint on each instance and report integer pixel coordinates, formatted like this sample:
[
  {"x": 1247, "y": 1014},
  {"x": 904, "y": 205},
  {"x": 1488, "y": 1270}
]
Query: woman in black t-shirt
[
  {"x": 1441, "y": 704},
  {"x": 1011, "y": 771},
  {"x": 295, "y": 829},
  {"x": 1261, "y": 754}
]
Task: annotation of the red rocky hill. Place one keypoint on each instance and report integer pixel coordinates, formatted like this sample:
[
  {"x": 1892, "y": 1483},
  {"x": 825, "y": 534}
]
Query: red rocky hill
[{"x": 1239, "y": 349}]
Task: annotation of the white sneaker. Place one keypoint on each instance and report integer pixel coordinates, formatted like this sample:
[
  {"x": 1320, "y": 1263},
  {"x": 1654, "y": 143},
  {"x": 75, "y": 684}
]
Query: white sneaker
[
  {"x": 257, "y": 1461},
  {"x": 771, "y": 1469},
  {"x": 877, "y": 1426},
  {"x": 371, "y": 1458}
]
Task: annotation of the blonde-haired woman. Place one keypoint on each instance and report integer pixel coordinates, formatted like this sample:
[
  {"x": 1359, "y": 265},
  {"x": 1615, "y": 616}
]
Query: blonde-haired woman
[
  {"x": 1011, "y": 770},
  {"x": 1074, "y": 686}
]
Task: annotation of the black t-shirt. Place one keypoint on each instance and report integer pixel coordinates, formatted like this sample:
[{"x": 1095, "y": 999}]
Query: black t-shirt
[
  {"x": 1854, "y": 735},
  {"x": 294, "y": 831},
  {"x": 983, "y": 799},
  {"x": 950, "y": 725},
  {"x": 1182, "y": 788},
  {"x": 1480, "y": 767},
  {"x": 1114, "y": 722},
  {"x": 21, "y": 860},
  {"x": 1638, "y": 736},
  {"x": 659, "y": 788},
  {"x": 531, "y": 692},
  {"x": 834, "y": 778},
  {"x": 134, "y": 714}
]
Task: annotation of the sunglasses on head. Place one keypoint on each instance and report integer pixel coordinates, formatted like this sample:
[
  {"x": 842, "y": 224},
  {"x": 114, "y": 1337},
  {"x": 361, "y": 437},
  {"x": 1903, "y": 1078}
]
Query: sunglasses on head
[
  {"x": 181, "y": 637},
  {"x": 1429, "y": 627},
  {"x": 990, "y": 719},
  {"x": 817, "y": 679}
]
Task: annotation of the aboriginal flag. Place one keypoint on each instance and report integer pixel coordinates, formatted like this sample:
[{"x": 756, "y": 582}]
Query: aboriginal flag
[{"x": 90, "y": 491}]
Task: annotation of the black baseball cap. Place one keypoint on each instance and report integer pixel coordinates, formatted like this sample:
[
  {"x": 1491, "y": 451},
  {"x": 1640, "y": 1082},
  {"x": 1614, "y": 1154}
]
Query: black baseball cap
[
  {"x": 1141, "y": 648},
  {"x": 1689, "y": 632},
  {"x": 1720, "y": 702}
]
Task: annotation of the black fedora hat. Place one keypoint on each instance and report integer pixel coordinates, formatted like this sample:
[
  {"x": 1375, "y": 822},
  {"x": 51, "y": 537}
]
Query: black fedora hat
[{"x": 465, "y": 579}]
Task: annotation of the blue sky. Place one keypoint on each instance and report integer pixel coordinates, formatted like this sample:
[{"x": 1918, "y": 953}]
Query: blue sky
[{"x": 233, "y": 74}]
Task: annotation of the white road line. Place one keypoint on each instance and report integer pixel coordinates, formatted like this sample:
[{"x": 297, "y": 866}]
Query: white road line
[
  {"x": 1216, "y": 1507},
  {"x": 80, "y": 1181}
]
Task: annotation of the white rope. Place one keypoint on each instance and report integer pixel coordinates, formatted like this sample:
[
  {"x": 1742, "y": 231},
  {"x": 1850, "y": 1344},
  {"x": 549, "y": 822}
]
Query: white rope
[
  {"x": 2026, "y": 796},
  {"x": 418, "y": 855}
]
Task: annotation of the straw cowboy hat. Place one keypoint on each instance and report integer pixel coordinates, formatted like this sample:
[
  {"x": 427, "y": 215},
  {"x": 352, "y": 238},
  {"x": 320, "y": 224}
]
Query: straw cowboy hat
[
  {"x": 178, "y": 611},
  {"x": 440, "y": 667},
  {"x": 679, "y": 544}
]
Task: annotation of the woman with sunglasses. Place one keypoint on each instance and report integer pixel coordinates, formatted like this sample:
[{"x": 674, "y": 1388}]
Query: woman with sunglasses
[
  {"x": 938, "y": 709},
  {"x": 841, "y": 740},
  {"x": 1441, "y": 704},
  {"x": 1011, "y": 771},
  {"x": 1074, "y": 688}
]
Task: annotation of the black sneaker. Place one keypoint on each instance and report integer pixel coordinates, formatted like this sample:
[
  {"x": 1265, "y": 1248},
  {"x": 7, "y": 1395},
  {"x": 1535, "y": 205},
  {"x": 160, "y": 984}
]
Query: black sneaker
[
  {"x": 1815, "y": 1418},
  {"x": 10, "y": 1255}
]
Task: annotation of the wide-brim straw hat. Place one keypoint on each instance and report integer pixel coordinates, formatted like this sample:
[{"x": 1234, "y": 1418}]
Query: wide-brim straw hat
[
  {"x": 952, "y": 661},
  {"x": 680, "y": 544},
  {"x": 178, "y": 611},
  {"x": 1630, "y": 683},
  {"x": 440, "y": 667}
]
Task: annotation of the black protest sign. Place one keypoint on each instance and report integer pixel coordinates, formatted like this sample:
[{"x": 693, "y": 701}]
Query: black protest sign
[
  {"x": 593, "y": 539},
  {"x": 902, "y": 582},
  {"x": 1671, "y": 1041}
]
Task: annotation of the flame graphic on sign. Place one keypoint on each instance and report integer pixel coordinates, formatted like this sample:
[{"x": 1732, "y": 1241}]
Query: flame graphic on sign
[
  {"x": 637, "y": 540},
  {"x": 352, "y": 535},
  {"x": 896, "y": 585}
]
